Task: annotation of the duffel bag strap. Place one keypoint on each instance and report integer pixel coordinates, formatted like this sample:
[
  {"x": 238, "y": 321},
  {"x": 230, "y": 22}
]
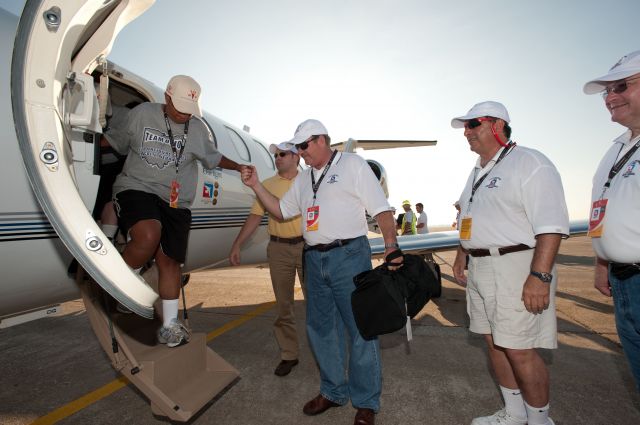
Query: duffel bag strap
[{"x": 392, "y": 256}]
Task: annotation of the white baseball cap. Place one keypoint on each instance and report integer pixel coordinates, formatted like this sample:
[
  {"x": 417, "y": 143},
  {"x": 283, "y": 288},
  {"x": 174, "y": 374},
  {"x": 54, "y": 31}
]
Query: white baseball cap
[
  {"x": 627, "y": 66},
  {"x": 284, "y": 146},
  {"x": 306, "y": 129},
  {"x": 184, "y": 92},
  {"x": 482, "y": 109}
]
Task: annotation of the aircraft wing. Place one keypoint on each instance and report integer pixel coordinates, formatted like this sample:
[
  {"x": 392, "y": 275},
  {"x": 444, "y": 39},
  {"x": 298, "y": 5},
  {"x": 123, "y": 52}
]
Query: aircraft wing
[
  {"x": 351, "y": 144},
  {"x": 443, "y": 241}
]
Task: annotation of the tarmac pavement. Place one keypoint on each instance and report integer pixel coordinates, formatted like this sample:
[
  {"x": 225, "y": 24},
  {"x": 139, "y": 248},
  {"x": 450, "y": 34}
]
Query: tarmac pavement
[{"x": 54, "y": 371}]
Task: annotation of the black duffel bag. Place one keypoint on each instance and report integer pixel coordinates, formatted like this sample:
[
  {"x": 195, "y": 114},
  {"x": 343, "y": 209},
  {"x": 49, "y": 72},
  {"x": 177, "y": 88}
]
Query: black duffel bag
[{"x": 383, "y": 298}]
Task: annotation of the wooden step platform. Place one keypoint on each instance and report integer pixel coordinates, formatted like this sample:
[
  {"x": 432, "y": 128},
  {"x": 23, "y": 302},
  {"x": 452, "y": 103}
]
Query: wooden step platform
[{"x": 178, "y": 381}]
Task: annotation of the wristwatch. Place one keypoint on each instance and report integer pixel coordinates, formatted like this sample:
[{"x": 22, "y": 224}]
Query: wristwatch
[
  {"x": 545, "y": 277},
  {"x": 391, "y": 245}
]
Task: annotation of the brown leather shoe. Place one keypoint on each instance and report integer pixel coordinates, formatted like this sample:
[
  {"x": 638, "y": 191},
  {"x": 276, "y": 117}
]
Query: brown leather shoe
[
  {"x": 285, "y": 366},
  {"x": 318, "y": 405},
  {"x": 365, "y": 417}
]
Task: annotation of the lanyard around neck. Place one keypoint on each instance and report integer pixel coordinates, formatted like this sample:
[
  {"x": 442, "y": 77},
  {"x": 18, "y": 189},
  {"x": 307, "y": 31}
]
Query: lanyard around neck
[
  {"x": 477, "y": 184},
  {"x": 315, "y": 186},
  {"x": 619, "y": 164},
  {"x": 174, "y": 148}
]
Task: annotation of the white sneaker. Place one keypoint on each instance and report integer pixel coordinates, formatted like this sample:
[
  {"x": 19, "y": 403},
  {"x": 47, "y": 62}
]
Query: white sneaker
[
  {"x": 173, "y": 335},
  {"x": 501, "y": 417}
]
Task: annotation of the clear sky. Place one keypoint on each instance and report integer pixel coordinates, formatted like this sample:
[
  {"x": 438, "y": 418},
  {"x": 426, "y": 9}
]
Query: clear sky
[{"x": 401, "y": 69}]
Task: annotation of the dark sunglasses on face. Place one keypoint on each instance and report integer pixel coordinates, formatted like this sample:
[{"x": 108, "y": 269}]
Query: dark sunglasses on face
[
  {"x": 280, "y": 154},
  {"x": 617, "y": 87},
  {"x": 304, "y": 145},
  {"x": 476, "y": 122}
]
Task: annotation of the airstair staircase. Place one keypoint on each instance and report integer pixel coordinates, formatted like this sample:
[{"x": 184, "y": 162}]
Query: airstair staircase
[{"x": 178, "y": 381}]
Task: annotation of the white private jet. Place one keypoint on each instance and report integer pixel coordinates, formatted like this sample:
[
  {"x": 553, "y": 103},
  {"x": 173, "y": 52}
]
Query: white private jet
[{"x": 51, "y": 121}]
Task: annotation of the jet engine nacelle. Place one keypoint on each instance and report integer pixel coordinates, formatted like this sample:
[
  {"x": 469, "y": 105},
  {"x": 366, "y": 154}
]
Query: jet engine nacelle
[{"x": 381, "y": 175}]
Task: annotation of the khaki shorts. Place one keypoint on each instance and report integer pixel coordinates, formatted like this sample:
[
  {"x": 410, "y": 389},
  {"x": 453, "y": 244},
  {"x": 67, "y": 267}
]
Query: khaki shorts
[{"x": 494, "y": 303}]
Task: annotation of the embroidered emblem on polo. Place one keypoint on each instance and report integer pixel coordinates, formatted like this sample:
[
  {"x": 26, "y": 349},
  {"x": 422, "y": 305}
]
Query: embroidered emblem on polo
[
  {"x": 333, "y": 178},
  {"x": 493, "y": 183},
  {"x": 629, "y": 171}
]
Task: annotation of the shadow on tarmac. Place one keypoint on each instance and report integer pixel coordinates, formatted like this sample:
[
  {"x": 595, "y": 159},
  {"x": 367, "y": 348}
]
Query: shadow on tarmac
[{"x": 441, "y": 377}]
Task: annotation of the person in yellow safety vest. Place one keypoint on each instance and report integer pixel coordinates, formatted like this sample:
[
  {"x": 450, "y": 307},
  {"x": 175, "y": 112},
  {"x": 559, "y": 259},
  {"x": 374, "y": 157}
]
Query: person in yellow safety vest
[{"x": 409, "y": 220}]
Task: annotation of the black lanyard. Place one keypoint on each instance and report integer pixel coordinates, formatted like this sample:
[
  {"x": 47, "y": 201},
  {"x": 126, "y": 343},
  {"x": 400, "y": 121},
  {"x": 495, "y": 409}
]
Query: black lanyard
[
  {"x": 174, "y": 148},
  {"x": 618, "y": 165},
  {"x": 477, "y": 184},
  {"x": 314, "y": 185}
]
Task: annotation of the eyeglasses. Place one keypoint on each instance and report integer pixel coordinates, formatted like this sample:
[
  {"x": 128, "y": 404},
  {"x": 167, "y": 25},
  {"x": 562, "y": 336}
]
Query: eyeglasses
[
  {"x": 304, "y": 145},
  {"x": 476, "y": 122},
  {"x": 280, "y": 154},
  {"x": 617, "y": 87}
]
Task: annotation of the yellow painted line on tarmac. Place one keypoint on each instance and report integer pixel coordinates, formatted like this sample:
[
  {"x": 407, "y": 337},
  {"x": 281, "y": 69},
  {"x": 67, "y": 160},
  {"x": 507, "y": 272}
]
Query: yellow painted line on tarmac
[
  {"x": 240, "y": 320},
  {"x": 113, "y": 386},
  {"x": 84, "y": 401}
]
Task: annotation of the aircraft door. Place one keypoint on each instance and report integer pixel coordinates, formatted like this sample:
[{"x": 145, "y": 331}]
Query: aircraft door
[{"x": 58, "y": 45}]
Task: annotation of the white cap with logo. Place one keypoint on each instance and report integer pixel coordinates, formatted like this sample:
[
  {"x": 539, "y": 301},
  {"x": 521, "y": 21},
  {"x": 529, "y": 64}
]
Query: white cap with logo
[
  {"x": 284, "y": 146},
  {"x": 184, "y": 92},
  {"x": 307, "y": 129},
  {"x": 482, "y": 109},
  {"x": 627, "y": 66}
]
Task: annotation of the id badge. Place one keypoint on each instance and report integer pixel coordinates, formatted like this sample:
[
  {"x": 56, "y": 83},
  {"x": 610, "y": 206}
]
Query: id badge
[
  {"x": 173, "y": 196},
  {"x": 313, "y": 218},
  {"x": 596, "y": 225},
  {"x": 465, "y": 228}
]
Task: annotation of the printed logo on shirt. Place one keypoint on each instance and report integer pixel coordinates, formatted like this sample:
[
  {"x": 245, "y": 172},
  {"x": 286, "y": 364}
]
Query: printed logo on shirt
[
  {"x": 156, "y": 148},
  {"x": 333, "y": 178},
  {"x": 493, "y": 183},
  {"x": 207, "y": 190},
  {"x": 629, "y": 171}
]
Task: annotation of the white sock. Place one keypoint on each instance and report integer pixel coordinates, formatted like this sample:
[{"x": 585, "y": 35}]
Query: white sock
[
  {"x": 109, "y": 230},
  {"x": 537, "y": 415},
  {"x": 513, "y": 402},
  {"x": 169, "y": 311}
]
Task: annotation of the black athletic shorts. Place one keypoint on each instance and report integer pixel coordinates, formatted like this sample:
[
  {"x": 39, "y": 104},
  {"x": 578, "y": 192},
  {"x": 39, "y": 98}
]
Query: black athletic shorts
[{"x": 134, "y": 205}]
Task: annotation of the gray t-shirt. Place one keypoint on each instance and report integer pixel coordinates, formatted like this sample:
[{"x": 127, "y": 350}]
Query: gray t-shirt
[{"x": 151, "y": 163}]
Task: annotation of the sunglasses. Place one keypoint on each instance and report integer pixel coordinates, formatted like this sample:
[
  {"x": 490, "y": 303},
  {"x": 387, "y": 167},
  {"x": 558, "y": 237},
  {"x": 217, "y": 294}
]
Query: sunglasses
[
  {"x": 617, "y": 87},
  {"x": 280, "y": 154},
  {"x": 476, "y": 122},
  {"x": 304, "y": 145}
]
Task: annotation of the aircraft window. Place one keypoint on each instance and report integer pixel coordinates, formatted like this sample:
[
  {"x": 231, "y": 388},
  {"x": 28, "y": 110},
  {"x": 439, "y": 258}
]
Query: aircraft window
[
  {"x": 239, "y": 145},
  {"x": 265, "y": 155},
  {"x": 213, "y": 134}
]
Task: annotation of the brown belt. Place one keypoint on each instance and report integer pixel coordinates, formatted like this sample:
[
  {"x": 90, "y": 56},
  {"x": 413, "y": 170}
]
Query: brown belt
[
  {"x": 501, "y": 251},
  {"x": 290, "y": 241}
]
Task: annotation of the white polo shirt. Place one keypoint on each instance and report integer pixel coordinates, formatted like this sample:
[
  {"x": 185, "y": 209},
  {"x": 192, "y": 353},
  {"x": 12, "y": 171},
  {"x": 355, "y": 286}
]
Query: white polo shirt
[
  {"x": 620, "y": 240},
  {"x": 422, "y": 218},
  {"x": 521, "y": 197},
  {"x": 349, "y": 188}
]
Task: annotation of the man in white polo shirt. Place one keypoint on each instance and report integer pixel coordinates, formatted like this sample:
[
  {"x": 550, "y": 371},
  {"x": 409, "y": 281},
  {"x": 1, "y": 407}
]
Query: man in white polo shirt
[
  {"x": 333, "y": 195},
  {"x": 615, "y": 208},
  {"x": 513, "y": 216}
]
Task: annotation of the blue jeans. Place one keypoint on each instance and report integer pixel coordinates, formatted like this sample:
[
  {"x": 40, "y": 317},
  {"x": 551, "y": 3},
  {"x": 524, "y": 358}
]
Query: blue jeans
[
  {"x": 329, "y": 281},
  {"x": 626, "y": 298}
]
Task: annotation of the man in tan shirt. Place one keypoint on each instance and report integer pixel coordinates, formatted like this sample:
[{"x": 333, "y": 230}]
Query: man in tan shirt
[{"x": 284, "y": 253}]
